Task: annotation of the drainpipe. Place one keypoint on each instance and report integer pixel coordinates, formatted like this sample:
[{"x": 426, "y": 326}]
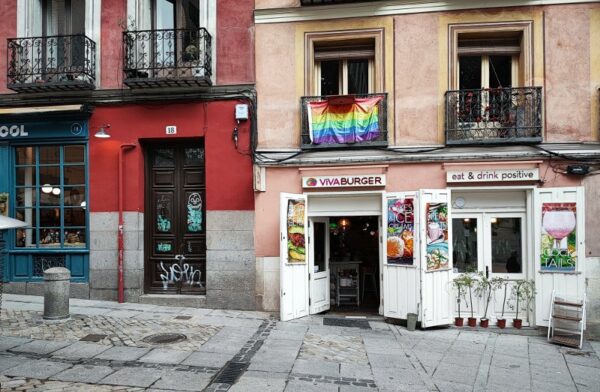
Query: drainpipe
[{"x": 120, "y": 233}]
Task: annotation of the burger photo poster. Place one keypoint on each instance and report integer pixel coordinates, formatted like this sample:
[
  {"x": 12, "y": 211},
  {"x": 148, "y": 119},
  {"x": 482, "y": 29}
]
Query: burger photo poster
[
  {"x": 295, "y": 230},
  {"x": 400, "y": 231}
]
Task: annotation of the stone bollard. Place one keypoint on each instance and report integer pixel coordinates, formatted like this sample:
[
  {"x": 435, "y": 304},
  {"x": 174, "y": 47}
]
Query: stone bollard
[{"x": 57, "y": 288}]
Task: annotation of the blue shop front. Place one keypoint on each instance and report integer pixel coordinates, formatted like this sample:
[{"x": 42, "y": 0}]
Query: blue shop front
[{"x": 44, "y": 182}]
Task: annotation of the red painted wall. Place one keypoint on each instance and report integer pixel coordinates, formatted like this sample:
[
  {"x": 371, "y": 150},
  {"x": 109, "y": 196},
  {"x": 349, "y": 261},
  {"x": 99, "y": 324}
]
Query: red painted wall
[
  {"x": 8, "y": 29},
  {"x": 228, "y": 171},
  {"x": 113, "y": 18},
  {"x": 235, "y": 41}
]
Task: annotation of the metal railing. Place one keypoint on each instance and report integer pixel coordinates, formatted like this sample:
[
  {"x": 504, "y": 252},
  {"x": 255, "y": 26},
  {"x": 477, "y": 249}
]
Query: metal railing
[
  {"x": 56, "y": 63},
  {"x": 494, "y": 115},
  {"x": 378, "y": 137},
  {"x": 167, "y": 58}
]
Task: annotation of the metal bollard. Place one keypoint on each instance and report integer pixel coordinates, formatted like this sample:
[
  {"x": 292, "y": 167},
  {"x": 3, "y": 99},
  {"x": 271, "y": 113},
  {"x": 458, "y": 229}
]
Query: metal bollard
[{"x": 57, "y": 288}]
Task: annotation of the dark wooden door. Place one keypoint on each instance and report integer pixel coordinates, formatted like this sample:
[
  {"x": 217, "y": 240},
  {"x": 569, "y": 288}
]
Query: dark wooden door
[{"x": 175, "y": 239}]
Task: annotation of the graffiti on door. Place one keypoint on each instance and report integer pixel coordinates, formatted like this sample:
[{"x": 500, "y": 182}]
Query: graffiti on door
[
  {"x": 194, "y": 212},
  {"x": 183, "y": 272}
]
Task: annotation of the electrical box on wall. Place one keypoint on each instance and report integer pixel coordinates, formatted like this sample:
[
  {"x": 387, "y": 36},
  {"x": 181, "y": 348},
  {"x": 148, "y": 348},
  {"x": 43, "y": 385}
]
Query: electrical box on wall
[{"x": 241, "y": 112}]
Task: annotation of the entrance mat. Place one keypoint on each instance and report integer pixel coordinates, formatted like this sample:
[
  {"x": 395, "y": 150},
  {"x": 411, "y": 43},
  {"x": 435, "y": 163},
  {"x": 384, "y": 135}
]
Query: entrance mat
[{"x": 352, "y": 323}]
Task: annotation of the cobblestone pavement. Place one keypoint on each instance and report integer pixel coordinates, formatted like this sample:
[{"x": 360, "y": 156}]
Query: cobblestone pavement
[{"x": 251, "y": 351}]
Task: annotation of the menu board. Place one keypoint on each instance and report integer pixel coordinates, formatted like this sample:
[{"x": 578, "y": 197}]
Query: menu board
[
  {"x": 400, "y": 231},
  {"x": 296, "y": 211},
  {"x": 437, "y": 236},
  {"x": 559, "y": 237}
]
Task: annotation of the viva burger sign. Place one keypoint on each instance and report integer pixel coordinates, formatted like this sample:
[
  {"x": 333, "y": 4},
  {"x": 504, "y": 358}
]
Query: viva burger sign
[{"x": 360, "y": 180}]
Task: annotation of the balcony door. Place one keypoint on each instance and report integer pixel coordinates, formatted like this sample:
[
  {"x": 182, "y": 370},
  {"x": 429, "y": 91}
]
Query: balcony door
[
  {"x": 177, "y": 24},
  {"x": 63, "y": 22}
]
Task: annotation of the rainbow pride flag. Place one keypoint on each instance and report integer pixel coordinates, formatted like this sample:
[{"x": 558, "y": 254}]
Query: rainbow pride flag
[{"x": 335, "y": 123}]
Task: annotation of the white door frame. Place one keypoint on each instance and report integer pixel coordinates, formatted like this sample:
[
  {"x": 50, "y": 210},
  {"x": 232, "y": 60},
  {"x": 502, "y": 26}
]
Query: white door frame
[
  {"x": 320, "y": 278},
  {"x": 379, "y": 194}
]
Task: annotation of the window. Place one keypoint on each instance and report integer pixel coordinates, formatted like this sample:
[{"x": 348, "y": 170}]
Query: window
[
  {"x": 51, "y": 194},
  {"x": 344, "y": 63}
]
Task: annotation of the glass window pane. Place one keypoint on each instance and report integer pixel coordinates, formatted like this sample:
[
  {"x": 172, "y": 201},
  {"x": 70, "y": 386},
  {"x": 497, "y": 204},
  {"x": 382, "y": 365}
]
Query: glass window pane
[
  {"x": 164, "y": 157},
  {"x": 191, "y": 14},
  {"x": 74, "y": 175},
  {"x": 500, "y": 71},
  {"x": 506, "y": 245},
  {"x": 470, "y": 72},
  {"x": 75, "y": 237},
  {"x": 194, "y": 156},
  {"x": 464, "y": 232},
  {"x": 25, "y": 155},
  {"x": 320, "y": 232},
  {"x": 50, "y": 199},
  {"x": 26, "y": 176},
  {"x": 358, "y": 76},
  {"x": 165, "y": 14},
  {"x": 330, "y": 77},
  {"x": 50, "y": 237},
  {"x": 75, "y": 196},
  {"x": 49, "y": 155},
  {"x": 26, "y": 197},
  {"x": 49, "y": 217},
  {"x": 74, "y": 154},
  {"x": 74, "y": 216},
  {"x": 50, "y": 175},
  {"x": 25, "y": 238},
  {"x": 26, "y": 215}
]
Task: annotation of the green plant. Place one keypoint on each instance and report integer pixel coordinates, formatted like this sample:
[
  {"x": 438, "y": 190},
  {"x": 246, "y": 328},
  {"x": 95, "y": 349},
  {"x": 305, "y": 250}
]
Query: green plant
[
  {"x": 458, "y": 283},
  {"x": 501, "y": 282},
  {"x": 468, "y": 281},
  {"x": 522, "y": 291},
  {"x": 484, "y": 287}
]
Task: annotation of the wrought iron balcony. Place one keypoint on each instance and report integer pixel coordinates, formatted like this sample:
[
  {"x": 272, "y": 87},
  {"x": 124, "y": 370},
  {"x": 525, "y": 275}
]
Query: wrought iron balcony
[
  {"x": 57, "y": 63},
  {"x": 344, "y": 121},
  {"x": 494, "y": 116},
  {"x": 167, "y": 58}
]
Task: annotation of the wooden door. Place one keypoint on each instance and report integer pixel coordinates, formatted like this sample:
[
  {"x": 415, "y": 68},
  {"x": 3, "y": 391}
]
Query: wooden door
[{"x": 175, "y": 239}]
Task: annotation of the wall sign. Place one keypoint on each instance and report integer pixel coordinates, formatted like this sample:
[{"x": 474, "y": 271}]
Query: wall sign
[
  {"x": 171, "y": 129},
  {"x": 49, "y": 129},
  {"x": 493, "y": 175},
  {"x": 362, "y": 180},
  {"x": 559, "y": 237},
  {"x": 400, "y": 231}
]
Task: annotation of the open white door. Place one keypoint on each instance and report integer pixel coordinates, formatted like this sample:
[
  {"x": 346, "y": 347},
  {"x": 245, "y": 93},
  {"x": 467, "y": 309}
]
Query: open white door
[
  {"x": 293, "y": 258},
  {"x": 318, "y": 265},
  {"x": 559, "y": 246},
  {"x": 400, "y": 254},
  {"x": 435, "y": 257}
]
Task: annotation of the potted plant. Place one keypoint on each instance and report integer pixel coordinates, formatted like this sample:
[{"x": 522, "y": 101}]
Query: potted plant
[
  {"x": 458, "y": 283},
  {"x": 501, "y": 322},
  {"x": 484, "y": 289},
  {"x": 523, "y": 292},
  {"x": 469, "y": 282}
]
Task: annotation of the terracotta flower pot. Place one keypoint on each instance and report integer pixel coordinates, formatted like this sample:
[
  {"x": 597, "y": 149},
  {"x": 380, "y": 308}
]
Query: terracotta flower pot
[
  {"x": 501, "y": 323},
  {"x": 458, "y": 321},
  {"x": 472, "y": 321},
  {"x": 517, "y": 323},
  {"x": 484, "y": 323}
]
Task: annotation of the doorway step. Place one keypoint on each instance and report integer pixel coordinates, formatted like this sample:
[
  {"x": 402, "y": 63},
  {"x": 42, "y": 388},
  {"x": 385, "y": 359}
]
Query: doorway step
[{"x": 175, "y": 300}]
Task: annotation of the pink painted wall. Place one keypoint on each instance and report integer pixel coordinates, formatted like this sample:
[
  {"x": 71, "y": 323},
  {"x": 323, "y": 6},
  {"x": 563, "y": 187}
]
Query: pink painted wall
[
  {"x": 416, "y": 82},
  {"x": 235, "y": 41},
  {"x": 8, "y": 29},
  {"x": 113, "y": 15},
  {"x": 567, "y": 88},
  {"x": 260, "y": 4},
  {"x": 401, "y": 177}
]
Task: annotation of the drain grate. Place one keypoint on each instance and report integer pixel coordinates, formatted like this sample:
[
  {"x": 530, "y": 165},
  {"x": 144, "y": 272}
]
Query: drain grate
[
  {"x": 164, "y": 338},
  {"x": 93, "y": 337},
  {"x": 352, "y": 323},
  {"x": 230, "y": 373}
]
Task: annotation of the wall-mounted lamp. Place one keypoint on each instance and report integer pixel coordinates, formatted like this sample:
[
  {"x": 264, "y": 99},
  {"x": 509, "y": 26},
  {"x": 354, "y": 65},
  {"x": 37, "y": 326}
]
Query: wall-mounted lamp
[
  {"x": 102, "y": 134},
  {"x": 46, "y": 188},
  {"x": 56, "y": 191}
]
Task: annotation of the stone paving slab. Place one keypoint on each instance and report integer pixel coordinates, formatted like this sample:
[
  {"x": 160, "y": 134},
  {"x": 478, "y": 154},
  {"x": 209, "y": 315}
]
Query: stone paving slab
[
  {"x": 136, "y": 377},
  {"x": 79, "y": 350},
  {"x": 182, "y": 381},
  {"x": 253, "y": 384},
  {"x": 123, "y": 353},
  {"x": 9, "y": 361},
  {"x": 84, "y": 374},
  {"x": 38, "y": 369},
  {"x": 316, "y": 366},
  {"x": 165, "y": 355},
  {"x": 8, "y": 342},
  {"x": 40, "y": 347},
  {"x": 198, "y": 358},
  {"x": 305, "y": 386}
]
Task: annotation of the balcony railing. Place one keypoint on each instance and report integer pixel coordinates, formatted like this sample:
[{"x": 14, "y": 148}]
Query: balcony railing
[
  {"x": 494, "y": 116},
  {"x": 344, "y": 121},
  {"x": 57, "y": 63},
  {"x": 167, "y": 58}
]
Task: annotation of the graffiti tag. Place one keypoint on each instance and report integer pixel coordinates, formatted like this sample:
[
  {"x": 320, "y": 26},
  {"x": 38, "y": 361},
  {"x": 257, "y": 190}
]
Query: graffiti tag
[{"x": 180, "y": 273}]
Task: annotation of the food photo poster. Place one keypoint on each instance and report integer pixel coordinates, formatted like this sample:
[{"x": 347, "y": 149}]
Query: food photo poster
[
  {"x": 437, "y": 236},
  {"x": 400, "y": 231},
  {"x": 295, "y": 231}
]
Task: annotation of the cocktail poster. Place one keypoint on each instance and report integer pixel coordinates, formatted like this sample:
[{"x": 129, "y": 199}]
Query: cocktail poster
[
  {"x": 295, "y": 230},
  {"x": 559, "y": 237},
  {"x": 400, "y": 231},
  {"x": 436, "y": 236}
]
